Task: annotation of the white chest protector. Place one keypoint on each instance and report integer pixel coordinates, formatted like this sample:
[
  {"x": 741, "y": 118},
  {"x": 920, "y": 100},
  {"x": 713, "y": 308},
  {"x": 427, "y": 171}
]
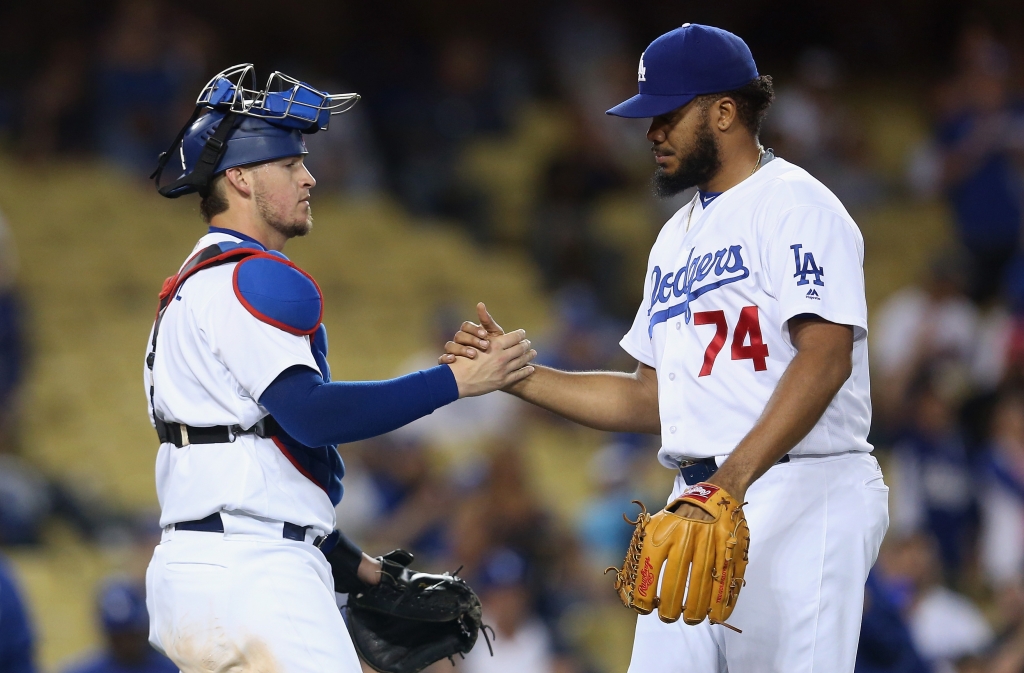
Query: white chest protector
[{"x": 722, "y": 282}]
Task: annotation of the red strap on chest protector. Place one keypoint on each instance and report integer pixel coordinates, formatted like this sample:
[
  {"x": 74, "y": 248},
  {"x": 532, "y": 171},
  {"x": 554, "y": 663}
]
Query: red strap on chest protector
[{"x": 204, "y": 259}]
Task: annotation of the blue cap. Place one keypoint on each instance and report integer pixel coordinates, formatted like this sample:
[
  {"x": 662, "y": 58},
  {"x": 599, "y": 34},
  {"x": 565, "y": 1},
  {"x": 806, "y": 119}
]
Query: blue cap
[
  {"x": 685, "y": 63},
  {"x": 503, "y": 568},
  {"x": 122, "y": 607}
]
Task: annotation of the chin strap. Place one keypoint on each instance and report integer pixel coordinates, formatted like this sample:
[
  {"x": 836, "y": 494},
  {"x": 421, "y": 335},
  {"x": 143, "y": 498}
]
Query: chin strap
[{"x": 213, "y": 151}]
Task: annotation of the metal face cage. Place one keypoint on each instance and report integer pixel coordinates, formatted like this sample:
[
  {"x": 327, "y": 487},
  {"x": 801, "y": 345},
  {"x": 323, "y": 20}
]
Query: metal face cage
[
  {"x": 284, "y": 99},
  {"x": 284, "y": 102}
]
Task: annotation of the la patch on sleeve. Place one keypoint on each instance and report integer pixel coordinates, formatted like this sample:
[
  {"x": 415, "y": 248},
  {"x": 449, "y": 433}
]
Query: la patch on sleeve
[{"x": 807, "y": 267}]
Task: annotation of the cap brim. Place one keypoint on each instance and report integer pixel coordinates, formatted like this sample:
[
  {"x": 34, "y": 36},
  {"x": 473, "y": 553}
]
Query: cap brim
[{"x": 649, "y": 105}]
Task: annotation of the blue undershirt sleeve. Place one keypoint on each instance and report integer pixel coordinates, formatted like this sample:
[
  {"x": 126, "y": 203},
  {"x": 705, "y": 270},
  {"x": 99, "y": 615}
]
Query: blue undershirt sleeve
[{"x": 316, "y": 413}]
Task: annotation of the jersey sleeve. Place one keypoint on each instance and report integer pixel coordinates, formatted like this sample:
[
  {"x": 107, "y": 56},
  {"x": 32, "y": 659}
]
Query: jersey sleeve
[
  {"x": 815, "y": 262},
  {"x": 254, "y": 351},
  {"x": 637, "y": 341}
]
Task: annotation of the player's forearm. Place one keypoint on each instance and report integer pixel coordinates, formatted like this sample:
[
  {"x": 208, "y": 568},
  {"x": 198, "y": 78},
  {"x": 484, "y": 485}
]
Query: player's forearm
[
  {"x": 610, "y": 401},
  {"x": 317, "y": 413},
  {"x": 803, "y": 394}
]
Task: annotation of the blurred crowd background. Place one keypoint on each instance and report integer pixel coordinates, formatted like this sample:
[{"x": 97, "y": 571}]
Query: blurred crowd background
[{"x": 480, "y": 166}]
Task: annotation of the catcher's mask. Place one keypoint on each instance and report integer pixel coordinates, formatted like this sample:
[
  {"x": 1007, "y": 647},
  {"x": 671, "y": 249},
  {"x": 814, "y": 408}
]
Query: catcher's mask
[{"x": 235, "y": 124}]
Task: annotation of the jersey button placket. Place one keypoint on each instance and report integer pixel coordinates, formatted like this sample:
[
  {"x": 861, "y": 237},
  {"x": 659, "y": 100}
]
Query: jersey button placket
[{"x": 672, "y": 377}]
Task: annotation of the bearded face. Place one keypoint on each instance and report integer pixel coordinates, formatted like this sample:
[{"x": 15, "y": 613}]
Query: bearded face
[{"x": 697, "y": 158}]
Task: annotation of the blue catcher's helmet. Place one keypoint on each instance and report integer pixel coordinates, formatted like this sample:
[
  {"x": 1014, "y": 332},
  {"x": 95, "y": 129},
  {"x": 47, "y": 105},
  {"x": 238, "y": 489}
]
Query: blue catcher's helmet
[
  {"x": 243, "y": 125},
  {"x": 252, "y": 141}
]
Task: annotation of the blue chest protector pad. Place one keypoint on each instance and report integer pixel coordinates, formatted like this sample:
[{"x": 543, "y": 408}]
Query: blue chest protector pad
[{"x": 279, "y": 293}]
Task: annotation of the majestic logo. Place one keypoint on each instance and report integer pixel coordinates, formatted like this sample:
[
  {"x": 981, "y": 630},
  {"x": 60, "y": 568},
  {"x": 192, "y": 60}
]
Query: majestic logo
[
  {"x": 646, "y": 577},
  {"x": 727, "y": 266},
  {"x": 700, "y": 492},
  {"x": 813, "y": 294},
  {"x": 807, "y": 268},
  {"x": 641, "y": 71}
]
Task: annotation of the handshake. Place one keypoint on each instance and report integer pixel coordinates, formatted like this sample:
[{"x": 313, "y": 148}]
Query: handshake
[{"x": 484, "y": 358}]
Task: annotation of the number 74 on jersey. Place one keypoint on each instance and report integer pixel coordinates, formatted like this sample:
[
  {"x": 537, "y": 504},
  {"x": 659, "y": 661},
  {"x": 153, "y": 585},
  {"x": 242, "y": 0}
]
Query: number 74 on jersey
[{"x": 748, "y": 328}]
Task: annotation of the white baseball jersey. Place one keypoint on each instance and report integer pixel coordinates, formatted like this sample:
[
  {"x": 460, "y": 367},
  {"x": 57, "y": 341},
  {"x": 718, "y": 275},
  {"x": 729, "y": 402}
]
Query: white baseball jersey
[
  {"x": 722, "y": 282},
  {"x": 213, "y": 361}
]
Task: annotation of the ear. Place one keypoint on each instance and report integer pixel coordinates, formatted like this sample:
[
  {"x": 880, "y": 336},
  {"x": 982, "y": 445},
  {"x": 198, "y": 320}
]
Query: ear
[
  {"x": 239, "y": 180},
  {"x": 724, "y": 114}
]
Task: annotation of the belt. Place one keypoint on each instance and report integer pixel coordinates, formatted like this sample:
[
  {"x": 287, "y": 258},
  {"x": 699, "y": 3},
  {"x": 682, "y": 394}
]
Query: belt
[
  {"x": 181, "y": 434},
  {"x": 214, "y": 524},
  {"x": 696, "y": 471}
]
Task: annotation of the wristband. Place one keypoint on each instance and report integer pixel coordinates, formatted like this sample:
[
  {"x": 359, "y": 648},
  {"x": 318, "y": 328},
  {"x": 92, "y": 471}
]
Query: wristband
[{"x": 345, "y": 558}]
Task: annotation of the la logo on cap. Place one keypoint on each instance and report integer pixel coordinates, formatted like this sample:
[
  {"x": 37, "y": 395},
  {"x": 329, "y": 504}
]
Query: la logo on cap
[{"x": 641, "y": 71}]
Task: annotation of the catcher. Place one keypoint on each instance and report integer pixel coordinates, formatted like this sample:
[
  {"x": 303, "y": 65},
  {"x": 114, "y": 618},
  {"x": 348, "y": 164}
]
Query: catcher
[
  {"x": 240, "y": 394},
  {"x": 751, "y": 342}
]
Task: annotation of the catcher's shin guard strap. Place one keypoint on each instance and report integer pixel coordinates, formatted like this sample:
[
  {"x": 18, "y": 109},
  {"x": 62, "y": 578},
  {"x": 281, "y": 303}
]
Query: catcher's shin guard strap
[{"x": 345, "y": 558}]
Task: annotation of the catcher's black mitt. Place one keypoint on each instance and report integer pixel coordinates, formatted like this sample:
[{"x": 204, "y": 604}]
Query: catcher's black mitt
[{"x": 412, "y": 619}]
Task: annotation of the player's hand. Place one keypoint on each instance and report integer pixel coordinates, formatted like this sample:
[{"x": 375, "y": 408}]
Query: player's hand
[
  {"x": 472, "y": 338},
  {"x": 688, "y": 511},
  {"x": 369, "y": 570},
  {"x": 505, "y": 362}
]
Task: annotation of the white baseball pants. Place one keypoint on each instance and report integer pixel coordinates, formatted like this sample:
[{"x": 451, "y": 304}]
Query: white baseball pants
[
  {"x": 816, "y": 524},
  {"x": 245, "y": 604}
]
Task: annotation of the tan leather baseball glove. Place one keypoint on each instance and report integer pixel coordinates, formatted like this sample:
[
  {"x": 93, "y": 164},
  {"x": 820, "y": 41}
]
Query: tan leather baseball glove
[{"x": 712, "y": 554}]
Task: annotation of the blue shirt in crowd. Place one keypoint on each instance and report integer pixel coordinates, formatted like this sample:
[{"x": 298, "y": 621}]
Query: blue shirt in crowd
[
  {"x": 16, "y": 641},
  {"x": 885, "y": 643},
  {"x": 987, "y": 202}
]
